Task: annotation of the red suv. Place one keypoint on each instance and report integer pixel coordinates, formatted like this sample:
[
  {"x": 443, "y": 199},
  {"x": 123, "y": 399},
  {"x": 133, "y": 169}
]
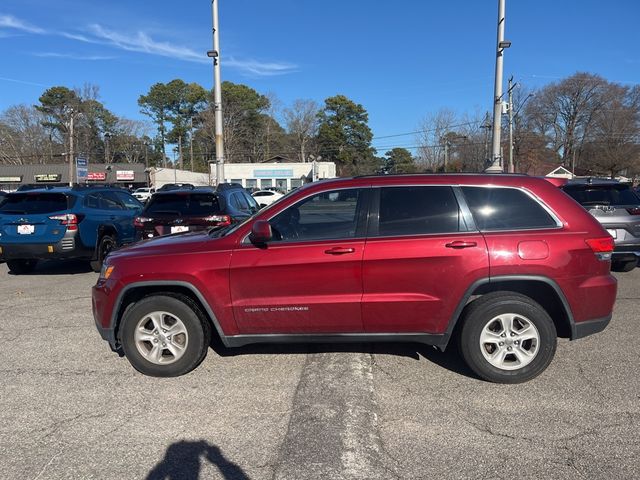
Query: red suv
[{"x": 504, "y": 264}]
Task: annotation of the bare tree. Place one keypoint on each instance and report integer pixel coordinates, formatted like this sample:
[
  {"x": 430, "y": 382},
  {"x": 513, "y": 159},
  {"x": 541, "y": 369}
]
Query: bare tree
[
  {"x": 301, "y": 120},
  {"x": 23, "y": 138},
  {"x": 432, "y": 130}
]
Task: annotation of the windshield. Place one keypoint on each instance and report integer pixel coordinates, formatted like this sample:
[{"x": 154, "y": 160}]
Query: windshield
[
  {"x": 614, "y": 195},
  {"x": 183, "y": 204},
  {"x": 30, "y": 203}
]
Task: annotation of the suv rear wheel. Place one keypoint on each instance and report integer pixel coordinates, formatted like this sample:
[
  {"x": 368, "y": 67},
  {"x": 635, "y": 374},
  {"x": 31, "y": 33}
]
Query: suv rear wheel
[
  {"x": 507, "y": 337},
  {"x": 18, "y": 267},
  {"x": 163, "y": 335},
  {"x": 105, "y": 245},
  {"x": 623, "y": 266}
]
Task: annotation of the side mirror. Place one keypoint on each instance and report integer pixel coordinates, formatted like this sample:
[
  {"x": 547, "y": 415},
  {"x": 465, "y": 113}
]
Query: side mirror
[{"x": 261, "y": 232}]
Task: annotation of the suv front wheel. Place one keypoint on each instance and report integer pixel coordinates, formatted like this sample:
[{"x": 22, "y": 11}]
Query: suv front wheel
[
  {"x": 163, "y": 335},
  {"x": 507, "y": 337}
]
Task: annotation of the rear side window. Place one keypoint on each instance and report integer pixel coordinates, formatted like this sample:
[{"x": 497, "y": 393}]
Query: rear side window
[
  {"x": 612, "y": 195},
  {"x": 183, "y": 204},
  {"x": 418, "y": 211},
  {"x": 35, "y": 203},
  {"x": 496, "y": 208}
]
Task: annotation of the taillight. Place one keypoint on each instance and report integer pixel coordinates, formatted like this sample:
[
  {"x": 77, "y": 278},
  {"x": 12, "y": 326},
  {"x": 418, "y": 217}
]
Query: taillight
[
  {"x": 602, "y": 247},
  {"x": 139, "y": 222},
  {"x": 67, "y": 219},
  {"x": 634, "y": 211},
  {"x": 220, "y": 220}
]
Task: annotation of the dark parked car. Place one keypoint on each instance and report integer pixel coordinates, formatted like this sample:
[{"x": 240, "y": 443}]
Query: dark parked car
[
  {"x": 193, "y": 209},
  {"x": 617, "y": 207},
  {"x": 500, "y": 264},
  {"x": 64, "y": 222}
]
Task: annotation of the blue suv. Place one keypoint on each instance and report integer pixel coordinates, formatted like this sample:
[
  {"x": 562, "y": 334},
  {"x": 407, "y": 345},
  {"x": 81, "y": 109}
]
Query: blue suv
[{"x": 65, "y": 222}]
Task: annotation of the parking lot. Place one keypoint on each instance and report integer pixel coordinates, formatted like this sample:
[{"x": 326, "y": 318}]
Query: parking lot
[{"x": 70, "y": 408}]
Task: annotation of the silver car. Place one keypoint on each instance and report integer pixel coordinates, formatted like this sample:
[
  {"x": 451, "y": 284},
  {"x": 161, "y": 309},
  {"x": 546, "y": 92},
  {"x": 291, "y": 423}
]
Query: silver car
[{"x": 617, "y": 208}]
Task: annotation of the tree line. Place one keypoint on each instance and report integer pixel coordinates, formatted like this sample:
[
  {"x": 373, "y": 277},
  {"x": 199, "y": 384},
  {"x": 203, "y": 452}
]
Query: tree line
[{"x": 584, "y": 122}]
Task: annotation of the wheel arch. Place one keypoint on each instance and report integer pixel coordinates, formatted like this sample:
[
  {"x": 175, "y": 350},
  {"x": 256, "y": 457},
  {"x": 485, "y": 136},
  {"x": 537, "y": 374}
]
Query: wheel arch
[
  {"x": 542, "y": 290},
  {"x": 136, "y": 291}
]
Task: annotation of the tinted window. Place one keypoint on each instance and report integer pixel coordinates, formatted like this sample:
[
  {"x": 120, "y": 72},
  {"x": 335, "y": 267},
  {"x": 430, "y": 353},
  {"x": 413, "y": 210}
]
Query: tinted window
[
  {"x": 418, "y": 210},
  {"x": 253, "y": 205},
  {"x": 505, "y": 209},
  {"x": 263, "y": 194},
  {"x": 110, "y": 201},
  {"x": 34, "y": 203},
  {"x": 614, "y": 195},
  {"x": 239, "y": 202},
  {"x": 183, "y": 204},
  {"x": 329, "y": 215},
  {"x": 129, "y": 201}
]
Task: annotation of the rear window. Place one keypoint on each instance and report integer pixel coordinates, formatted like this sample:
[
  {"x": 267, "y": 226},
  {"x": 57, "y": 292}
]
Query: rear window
[
  {"x": 31, "y": 203},
  {"x": 496, "y": 208},
  {"x": 613, "y": 195},
  {"x": 184, "y": 204}
]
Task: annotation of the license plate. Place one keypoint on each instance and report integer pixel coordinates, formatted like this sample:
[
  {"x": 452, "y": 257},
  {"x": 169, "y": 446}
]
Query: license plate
[
  {"x": 26, "y": 229},
  {"x": 179, "y": 229},
  {"x": 612, "y": 232}
]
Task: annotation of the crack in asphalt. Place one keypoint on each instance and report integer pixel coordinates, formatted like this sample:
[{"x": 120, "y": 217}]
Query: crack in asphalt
[{"x": 333, "y": 430}]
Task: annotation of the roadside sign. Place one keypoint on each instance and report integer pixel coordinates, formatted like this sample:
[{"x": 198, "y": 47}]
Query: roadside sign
[{"x": 82, "y": 169}]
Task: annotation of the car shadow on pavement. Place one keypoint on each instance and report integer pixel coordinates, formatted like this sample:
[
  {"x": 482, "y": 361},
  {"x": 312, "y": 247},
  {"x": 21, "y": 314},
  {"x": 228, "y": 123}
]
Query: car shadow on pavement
[
  {"x": 183, "y": 461},
  {"x": 450, "y": 359},
  {"x": 58, "y": 267}
]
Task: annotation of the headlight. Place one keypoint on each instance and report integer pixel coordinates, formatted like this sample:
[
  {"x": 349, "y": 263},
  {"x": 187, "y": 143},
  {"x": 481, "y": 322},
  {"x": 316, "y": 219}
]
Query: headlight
[{"x": 106, "y": 271}]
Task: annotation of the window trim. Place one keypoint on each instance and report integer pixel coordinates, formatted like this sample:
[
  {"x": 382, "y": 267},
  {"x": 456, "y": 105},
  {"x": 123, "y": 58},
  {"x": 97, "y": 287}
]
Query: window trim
[
  {"x": 362, "y": 216},
  {"x": 559, "y": 224},
  {"x": 374, "y": 223}
]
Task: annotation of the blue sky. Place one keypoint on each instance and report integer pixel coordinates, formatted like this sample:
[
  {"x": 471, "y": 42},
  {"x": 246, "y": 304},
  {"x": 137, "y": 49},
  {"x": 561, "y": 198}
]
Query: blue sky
[{"x": 401, "y": 60}]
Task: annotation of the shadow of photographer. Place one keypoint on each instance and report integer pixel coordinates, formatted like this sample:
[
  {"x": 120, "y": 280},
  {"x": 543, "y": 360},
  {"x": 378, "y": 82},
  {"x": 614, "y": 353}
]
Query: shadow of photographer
[{"x": 183, "y": 461}]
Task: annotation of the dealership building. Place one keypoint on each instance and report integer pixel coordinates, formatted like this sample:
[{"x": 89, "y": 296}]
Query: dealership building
[{"x": 276, "y": 172}]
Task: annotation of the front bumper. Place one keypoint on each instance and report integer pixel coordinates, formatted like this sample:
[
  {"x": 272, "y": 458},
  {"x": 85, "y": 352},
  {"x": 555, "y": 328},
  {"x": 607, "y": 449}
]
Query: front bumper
[{"x": 102, "y": 309}]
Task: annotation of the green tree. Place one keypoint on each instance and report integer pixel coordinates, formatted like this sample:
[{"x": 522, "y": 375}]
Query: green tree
[
  {"x": 399, "y": 160},
  {"x": 56, "y": 104},
  {"x": 156, "y": 104},
  {"x": 344, "y": 136}
]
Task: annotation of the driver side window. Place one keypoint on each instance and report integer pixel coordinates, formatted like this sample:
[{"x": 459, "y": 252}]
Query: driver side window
[{"x": 325, "y": 216}]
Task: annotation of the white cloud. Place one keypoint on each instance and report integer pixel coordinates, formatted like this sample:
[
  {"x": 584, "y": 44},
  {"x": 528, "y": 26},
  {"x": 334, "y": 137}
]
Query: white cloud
[
  {"x": 9, "y": 21},
  {"x": 260, "y": 69},
  {"x": 71, "y": 56},
  {"x": 143, "y": 43}
]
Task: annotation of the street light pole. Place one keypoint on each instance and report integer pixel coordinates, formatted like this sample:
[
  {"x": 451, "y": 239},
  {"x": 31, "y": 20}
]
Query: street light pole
[
  {"x": 496, "y": 156},
  {"x": 71, "y": 162},
  {"x": 217, "y": 93},
  {"x": 510, "y": 91}
]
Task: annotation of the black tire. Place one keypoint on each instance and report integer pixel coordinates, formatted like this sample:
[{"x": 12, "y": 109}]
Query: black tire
[
  {"x": 624, "y": 266},
  {"x": 483, "y": 315},
  {"x": 20, "y": 267},
  {"x": 105, "y": 245},
  {"x": 196, "y": 338}
]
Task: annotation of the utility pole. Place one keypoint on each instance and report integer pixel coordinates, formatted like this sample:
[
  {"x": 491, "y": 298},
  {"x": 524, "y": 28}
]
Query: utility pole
[
  {"x": 191, "y": 142},
  {"x": 180, "y": 152},
  {"x": 510, "y": 91},
  {"x": 446, "y": 154},
  {"x": 496, "y": 157},
  {"x": 71, "y": 162},
  {"x": 217, "y": 93}
]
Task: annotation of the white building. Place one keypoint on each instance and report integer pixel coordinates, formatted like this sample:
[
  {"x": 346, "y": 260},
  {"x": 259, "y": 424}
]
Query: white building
[
  {"x": 276, "y": 173},
  {"x": 161, "y": 176}
]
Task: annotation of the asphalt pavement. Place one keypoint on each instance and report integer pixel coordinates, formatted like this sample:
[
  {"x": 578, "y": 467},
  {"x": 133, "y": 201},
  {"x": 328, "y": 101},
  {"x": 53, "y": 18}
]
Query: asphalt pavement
[{"x": 70, "y": 408}]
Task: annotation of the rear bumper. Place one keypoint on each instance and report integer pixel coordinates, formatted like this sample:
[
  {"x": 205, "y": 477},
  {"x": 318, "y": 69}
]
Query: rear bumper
[
  {"x": 68, "y": 247},
  {"x": 584, "y": 329}
]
